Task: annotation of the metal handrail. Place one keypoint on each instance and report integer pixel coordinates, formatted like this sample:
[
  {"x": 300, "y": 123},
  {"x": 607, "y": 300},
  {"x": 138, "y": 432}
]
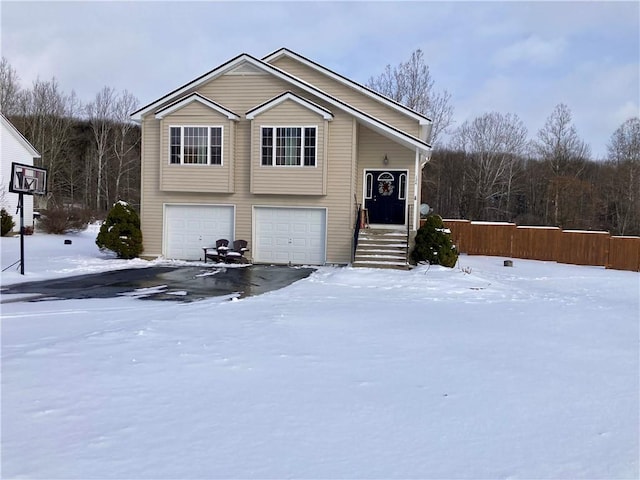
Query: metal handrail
[
  {"x": 356, "y": 232},
  {"x": 409, "y": 218}
]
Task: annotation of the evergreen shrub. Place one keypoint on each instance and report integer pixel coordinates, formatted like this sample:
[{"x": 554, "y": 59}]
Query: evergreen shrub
[
  {"x": 121, "y": 232},
  {"x": 6, "y": 221},
  {"x": 433, "y": 244}
]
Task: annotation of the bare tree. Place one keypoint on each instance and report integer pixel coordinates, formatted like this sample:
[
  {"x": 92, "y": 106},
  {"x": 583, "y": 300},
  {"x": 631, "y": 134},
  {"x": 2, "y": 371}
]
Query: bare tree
[
  {"x": 9, "y": 88},
  {"x": 410, "y": 84},
  {"x": 560, "y": 147},
  {"x": 47, "y": 116},
  {"x": 124, "y": 143},
  {"x": 494, "y": 144},
  {"x": 625, "y": 142},
  {"x": 624, "y": 188},
  {"x": 100, "y": 115}
]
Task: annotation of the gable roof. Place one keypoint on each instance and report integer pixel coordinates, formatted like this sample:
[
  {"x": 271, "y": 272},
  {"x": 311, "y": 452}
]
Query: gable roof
[
  {"x": 326, "y": 114},
  {"x": 196, "y": 97},
  {"x": 285, "y": 52},
  {"x": 376, "y": 124},
  {"x": 19, "y": 137}
]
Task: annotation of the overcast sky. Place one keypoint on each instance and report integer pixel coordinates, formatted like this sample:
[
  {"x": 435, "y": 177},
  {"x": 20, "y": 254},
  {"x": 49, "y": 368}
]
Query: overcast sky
[{"x": 510, "y": 57}]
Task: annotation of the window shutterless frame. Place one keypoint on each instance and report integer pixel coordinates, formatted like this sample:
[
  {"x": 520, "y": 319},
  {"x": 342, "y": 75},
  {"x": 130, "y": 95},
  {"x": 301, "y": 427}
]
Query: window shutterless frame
[
  {"x": 402, "y": 192},
  {"x": 288, "y": 146},
  {"x": 368, "y": 192},
  {"x": 196, "y": 145}
]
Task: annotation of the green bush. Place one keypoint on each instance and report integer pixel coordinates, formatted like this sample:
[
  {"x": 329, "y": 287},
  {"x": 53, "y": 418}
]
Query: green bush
[
  {"x": 7, "y": 222},
  {"x": 121, "y": 232},
  {"x": 433, "y": 244}
]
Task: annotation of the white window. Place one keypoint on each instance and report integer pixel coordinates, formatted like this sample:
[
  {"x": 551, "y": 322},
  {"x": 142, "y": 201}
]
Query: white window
[
  {"x": 402, "y": 188},
  {"x": 195, "y": 145},
  {"x": 368, "y": 194},
  {"x": 288, "y": 146}
]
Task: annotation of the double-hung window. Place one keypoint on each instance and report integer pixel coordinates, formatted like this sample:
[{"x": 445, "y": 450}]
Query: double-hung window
[
  {"x": 288, "y": 146},
  {"x": 197, "y": 145}
]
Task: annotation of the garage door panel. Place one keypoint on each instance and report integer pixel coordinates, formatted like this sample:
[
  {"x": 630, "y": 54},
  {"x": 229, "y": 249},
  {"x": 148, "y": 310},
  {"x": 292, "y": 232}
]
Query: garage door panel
[
  {"x": 290, "y": 235},
  {"x": 188, "y": 228}
]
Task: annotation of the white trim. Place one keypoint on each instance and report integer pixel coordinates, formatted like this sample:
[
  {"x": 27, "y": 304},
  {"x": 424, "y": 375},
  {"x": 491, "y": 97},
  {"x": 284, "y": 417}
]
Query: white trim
[
  {"x": 302, "y": 146},
  {"x": 326, "y": 114},
  {"x": 19, "y": 137},
  {"x": 298, "y": 207},
  {"x": 376, "y": 124},
  {"x": 402, "y": 184},
  {"x": 367, "y": 195},
  {"x": 208, "y": 164},
  {"x": 195, "y": 97},
  {"x": 283, "y": 52}
]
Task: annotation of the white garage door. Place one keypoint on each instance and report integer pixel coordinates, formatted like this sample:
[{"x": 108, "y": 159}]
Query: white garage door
[
  {"x": 188, "y": 228},
  {"x": 290, "y": 235}
]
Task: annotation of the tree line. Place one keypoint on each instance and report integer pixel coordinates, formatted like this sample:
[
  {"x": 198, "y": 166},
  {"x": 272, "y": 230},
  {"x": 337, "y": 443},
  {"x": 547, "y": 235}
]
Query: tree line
[
  {"x": 490, "y": 169},
  {"x": 91, "y": 150}
]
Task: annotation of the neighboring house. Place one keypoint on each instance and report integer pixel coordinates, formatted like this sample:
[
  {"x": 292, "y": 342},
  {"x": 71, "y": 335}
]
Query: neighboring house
[
  {"x": 14, "y": 149},
  {"x": 279, "y": 152}
]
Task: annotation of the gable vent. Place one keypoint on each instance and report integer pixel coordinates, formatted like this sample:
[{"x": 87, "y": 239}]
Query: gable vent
[{"x": 246, "y": 69}]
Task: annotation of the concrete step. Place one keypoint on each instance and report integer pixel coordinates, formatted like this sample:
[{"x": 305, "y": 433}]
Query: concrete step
[
  {"x": 381, "y": 264},
  {"x": 395, "y": 252},
  {"x": 381, "y": 248},
  {"x": 379, "y": 256}
]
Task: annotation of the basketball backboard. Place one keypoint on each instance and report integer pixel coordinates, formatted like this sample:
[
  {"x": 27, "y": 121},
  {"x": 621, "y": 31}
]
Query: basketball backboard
[{"x": 28, "y": 179}]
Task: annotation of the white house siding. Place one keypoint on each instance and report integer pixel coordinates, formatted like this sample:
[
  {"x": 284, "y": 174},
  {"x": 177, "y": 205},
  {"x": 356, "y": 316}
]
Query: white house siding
[{"x": 13, "y": 150}]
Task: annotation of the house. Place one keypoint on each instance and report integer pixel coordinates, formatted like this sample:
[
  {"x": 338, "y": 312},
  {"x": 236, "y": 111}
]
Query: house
[
  {"x": 14, "y": 149},
  {"x": 278, "y": 151}
]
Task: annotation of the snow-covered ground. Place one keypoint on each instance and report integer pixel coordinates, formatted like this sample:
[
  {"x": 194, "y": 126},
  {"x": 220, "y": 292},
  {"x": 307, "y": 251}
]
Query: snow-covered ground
[{"x": 481, "y": 371}]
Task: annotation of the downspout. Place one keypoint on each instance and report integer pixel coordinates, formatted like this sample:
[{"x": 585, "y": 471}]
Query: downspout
[
  {"x": 426, "y": 136},
  {"x": 418, "y": 174}
]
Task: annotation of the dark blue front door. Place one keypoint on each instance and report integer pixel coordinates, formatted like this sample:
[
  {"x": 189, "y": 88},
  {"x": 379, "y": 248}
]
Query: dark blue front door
[{"x": 385, "y": 196}]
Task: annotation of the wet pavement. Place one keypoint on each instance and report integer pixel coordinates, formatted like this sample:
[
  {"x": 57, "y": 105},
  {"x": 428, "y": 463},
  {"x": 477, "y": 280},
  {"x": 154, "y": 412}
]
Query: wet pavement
[{"x": 183, "y": 284}]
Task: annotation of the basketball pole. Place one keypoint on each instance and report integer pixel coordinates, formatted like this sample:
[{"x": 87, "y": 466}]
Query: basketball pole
[{"x": 21, "y": 208}]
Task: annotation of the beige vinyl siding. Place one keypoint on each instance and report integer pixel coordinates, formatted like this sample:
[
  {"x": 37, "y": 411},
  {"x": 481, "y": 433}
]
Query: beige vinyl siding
[
  {"x": 197, "y": 178},
  {"x": 341, "y": 215},
  {"x": 372, "y": 147},
  {"x": 292, "y": 180},
  {"x": 348, "y": 95},
  {"x": 150, "y": 206},
  {"x": 240, "y": 93}
]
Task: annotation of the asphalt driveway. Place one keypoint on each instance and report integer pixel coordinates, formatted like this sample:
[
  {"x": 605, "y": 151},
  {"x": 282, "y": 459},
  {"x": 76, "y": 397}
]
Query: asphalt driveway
[{"x": 184, "y": 284}]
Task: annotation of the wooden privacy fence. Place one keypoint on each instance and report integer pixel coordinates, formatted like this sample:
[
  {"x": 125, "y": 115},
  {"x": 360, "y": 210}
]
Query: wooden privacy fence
[{"x": 546, "y": 243}]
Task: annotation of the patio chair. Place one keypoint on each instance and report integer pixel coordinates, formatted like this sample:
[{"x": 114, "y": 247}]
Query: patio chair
[
  {"x": 237, "y": 254},
  {"x": 219, "y": 253}
]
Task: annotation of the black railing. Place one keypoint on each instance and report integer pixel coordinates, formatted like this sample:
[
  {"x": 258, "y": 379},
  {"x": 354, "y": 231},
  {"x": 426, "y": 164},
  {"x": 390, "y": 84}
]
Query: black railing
[
  {"x": 409, "y": 221},
  {"x": 356, "y": 232}
]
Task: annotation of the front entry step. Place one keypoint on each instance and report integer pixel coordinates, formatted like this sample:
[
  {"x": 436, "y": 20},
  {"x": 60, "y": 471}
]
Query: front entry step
[{"x": 382, "y": 248}]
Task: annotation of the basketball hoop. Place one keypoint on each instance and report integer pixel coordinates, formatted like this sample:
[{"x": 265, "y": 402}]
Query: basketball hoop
[{"x": 26, "y": 180}]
